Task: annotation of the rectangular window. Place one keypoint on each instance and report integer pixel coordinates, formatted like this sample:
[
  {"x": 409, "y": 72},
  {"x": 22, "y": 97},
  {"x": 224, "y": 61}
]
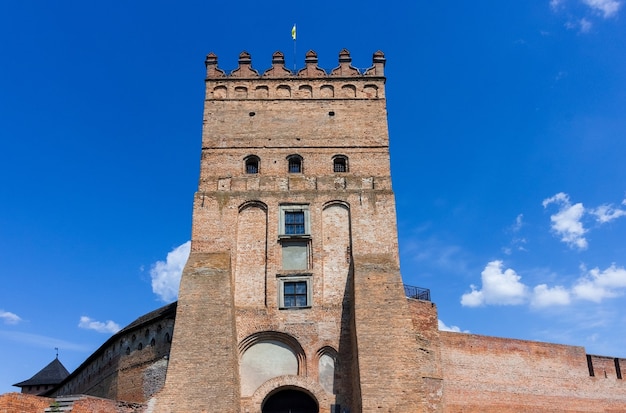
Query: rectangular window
[
  {"x": 252, "y": 168},
  {"x": 294, "y": 291},
  {"x": 294, "y": 221},
  {"x": 295, "y": 294}
]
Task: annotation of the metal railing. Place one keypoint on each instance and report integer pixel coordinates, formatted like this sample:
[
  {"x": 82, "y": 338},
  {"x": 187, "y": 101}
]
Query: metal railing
[{"x": 417, "y": 293}]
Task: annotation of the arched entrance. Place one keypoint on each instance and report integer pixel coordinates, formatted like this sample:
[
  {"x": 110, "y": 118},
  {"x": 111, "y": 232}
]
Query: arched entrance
[{"x": 290, "y": 401}]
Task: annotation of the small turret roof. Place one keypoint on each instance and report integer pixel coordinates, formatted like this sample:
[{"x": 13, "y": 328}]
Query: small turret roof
[{"x": 53, "y": 373}]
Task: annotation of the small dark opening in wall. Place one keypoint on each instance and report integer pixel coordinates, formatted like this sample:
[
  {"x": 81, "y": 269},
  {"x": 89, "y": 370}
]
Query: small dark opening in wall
[
  {"x": 331, "y": 113},
  {"x": 152, "y": 343},
  {"x": 590, "y": 366},
  {"x": 618, "y": 369},
  {"x": 251, "y": 113},
  {"x": 140, "y": 346},
  {"x": 127, "y": 350}
]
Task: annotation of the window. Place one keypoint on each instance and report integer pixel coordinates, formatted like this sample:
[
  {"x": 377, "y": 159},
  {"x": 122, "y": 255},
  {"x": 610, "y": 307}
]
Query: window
[
  {"x": 340, "y": 163},
  {"x": 295, "y": 294},
  {"x": 294, "y": 164},
  {"x": 294, "y": 221},
  {"x": 295, "y": 291},
  {"x": 252, "y": 164}
]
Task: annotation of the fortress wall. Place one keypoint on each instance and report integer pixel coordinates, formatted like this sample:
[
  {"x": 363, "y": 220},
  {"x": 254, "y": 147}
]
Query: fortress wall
[
  {"x": 426, "y": 328},
  {"x": 131, "y": 365},
  {"x": 490, "y": 374}
]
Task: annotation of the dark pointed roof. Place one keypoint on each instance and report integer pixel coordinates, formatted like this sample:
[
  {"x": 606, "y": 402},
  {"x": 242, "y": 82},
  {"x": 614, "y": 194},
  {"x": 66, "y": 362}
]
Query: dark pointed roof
[{"x": 53, "y": 373}]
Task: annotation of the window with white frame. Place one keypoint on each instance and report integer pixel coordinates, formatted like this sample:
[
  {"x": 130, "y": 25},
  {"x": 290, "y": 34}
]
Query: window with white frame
[
  {"x": 294, "y": 235},
  {"x": 294, "y": 221},
  {"x": 294, "y": 291}
]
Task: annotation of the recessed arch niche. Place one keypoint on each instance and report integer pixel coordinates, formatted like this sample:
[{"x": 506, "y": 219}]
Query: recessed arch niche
[{"x": 267, "y": 355}]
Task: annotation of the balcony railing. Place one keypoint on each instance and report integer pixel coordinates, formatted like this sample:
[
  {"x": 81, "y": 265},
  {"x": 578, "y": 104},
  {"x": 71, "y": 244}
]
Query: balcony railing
[{"x": 417, "y": 293}]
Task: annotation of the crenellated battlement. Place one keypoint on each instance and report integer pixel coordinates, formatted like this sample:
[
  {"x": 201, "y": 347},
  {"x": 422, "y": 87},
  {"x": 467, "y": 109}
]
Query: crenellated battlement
[
  {"x": 310, "y": 70},
  {"x": 310, "y": 82}
]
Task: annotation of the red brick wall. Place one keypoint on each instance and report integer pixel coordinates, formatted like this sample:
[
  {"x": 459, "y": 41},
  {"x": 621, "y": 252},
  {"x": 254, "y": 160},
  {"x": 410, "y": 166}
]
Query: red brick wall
[
  {"x": 23, "y": 403},
  {"x": 489, "y": 374},
  {"x": 92, "y": 405},
  {"x": 426, "y": 329}
]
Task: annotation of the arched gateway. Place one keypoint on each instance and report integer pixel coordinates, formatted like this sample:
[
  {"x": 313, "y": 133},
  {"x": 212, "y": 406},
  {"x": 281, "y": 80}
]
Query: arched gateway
[{"x": 290, "y": 401}]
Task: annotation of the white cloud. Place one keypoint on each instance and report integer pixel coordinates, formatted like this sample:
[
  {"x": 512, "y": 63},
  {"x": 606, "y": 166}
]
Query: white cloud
[
  {"x": 9, "y": 318},
  {"x": 544, "y": 296},
  {"x": 585, "y": 25},
  {"x": 598, "y": 285},
  {"x": 498, "y": 288},
  {"x": 505, "y": 288},
  {"x": 519, "y": 223},
  {"x": 166, "y": 274},
  {"x": 567, "y": 222},
  {"x": 91, "y": 324},
  {"x": 607, "y": 213},
  {"x": 443, "y": 327},
  {"x": 474, "y": 298},
  {"x": 607, "y": 8},
  {"x": 556, "y": 4}
]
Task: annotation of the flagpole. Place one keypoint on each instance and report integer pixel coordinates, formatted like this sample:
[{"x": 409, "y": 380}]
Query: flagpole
[{"x": 293, "y": 36}]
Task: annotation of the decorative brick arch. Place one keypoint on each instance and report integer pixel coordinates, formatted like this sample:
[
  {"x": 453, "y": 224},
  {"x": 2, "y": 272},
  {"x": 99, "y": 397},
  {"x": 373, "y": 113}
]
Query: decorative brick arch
[
  {"x": 300, "y": 383},
  {"x": 253, "y": 204}
]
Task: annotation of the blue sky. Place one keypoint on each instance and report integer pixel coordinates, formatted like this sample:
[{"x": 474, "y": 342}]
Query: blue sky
[{"x": 507, "y": 136}]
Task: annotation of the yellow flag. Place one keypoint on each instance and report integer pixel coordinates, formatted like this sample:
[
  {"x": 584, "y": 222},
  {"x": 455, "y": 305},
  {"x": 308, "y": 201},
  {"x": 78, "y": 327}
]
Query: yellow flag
[{"x": 293, "y": 32}]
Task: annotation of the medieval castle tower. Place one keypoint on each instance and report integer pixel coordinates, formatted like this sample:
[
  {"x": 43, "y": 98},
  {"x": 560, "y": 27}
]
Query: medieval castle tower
[
  {"x": 292, "y": 296},
  {"x": 291, "y": 300}
]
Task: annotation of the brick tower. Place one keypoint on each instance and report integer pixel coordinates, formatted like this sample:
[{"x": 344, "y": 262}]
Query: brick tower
[{"x": 292, "y": 299}]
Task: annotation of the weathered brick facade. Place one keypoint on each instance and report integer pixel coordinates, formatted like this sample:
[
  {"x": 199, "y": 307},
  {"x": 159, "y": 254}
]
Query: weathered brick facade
[
  {"x": 319, "y": 149},
  {"x": 490, "y": 374}
]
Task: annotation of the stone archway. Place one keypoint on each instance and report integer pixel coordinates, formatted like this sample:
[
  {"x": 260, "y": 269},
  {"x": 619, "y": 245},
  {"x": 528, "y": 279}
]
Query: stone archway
[{"x": 290, "y": 401}]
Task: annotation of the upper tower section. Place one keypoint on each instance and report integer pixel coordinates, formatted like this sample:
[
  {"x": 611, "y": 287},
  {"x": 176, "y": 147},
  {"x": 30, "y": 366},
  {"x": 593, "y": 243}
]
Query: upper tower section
[{"x": 317, "y": 115}]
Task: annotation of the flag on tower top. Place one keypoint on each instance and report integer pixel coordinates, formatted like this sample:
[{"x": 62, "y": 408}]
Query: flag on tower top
[{"x": 293, "y": 32}]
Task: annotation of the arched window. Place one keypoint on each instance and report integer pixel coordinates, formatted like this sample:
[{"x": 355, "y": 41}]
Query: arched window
[
  {"x": 252, "y": 164},
  {"x": 340, "y": 163},
  {"x": 294, "y": 164}
]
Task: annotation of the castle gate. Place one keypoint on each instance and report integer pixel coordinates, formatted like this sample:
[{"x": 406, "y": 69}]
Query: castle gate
[{"x": 290, "y": 401}]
